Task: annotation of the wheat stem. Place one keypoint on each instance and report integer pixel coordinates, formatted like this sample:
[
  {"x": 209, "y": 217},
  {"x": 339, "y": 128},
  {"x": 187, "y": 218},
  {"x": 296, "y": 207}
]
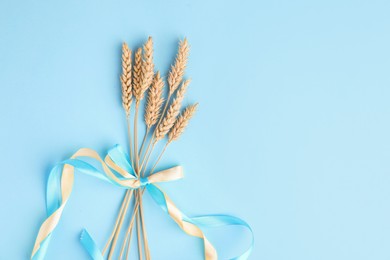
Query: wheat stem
[
  {"x": 143, "y": 142},
  {"x": 129, "y": 229},
  {"x": 130, "y": 142},
  {"x": 146, "y": 244},
  {"x": 147, "y": 160},
  {"x": 138, "y": 220},
  {"x": 125, "y": 199},
  {"x": 159, "y": 157},
  {"x": 128, "y": 242},
  {"x": 138, "y": 197},
  {"x": 147, "y": 150},
  {"x": 136, "y": 137},
  {"x": 112, "y": 249}
]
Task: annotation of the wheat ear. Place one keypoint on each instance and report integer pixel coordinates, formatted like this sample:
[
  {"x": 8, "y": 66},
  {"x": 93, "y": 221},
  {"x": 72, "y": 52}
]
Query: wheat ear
[
  {"x": 143, "y": 70},
  {"x": 126, "y": 78},
  {"x": 137, "y": 75},
  {"x": 155, "y": 101},
  {"x": 181, "y": 123},
  {"x": 173, "y": 110},
  {"x": 177, "y": 69},
  {"x": 147, "y": 65}
]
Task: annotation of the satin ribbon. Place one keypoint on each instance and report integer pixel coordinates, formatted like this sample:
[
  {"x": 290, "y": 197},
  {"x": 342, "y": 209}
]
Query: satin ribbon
[{"x": 116, "y": 169}]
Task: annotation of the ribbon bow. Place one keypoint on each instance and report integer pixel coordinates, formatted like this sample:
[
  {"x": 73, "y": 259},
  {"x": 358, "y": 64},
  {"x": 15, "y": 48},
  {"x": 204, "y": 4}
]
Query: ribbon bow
[{"x": 116, "y": 169}]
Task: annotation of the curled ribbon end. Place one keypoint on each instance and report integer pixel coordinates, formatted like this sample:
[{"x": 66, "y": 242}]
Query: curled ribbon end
[{"x": 90, "y": 245}]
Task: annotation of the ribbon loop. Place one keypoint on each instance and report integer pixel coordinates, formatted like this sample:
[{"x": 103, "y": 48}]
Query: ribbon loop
[{"x": 171, "y": 174}]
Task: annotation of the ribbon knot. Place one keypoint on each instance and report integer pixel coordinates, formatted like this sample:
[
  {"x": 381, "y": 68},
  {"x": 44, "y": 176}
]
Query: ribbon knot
[{"x": 144, "y": 181}]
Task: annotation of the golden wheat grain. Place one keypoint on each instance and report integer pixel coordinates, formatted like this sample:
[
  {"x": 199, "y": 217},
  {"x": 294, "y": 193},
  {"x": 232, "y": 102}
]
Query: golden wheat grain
[
  {"x": 181, "y": 123},
  {"x": 173, "y": 110},
  {"x": 137, "y": 75},
  {"x": 155, "y": 101},
  {"x": 177, "y": 69},
  {"x": 147, "y": 65},
  {"x": 126, "y": 78}
]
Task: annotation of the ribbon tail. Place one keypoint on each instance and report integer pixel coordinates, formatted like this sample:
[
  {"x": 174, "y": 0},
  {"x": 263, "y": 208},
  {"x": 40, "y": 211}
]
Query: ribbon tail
[
  {"x": 192, "y": 226},
  {"x": 90, "y": 245},
  {"x": 191, "y": 229},
  {"x": 217, "y": 221},
  {"x": 40, "y": 255}
]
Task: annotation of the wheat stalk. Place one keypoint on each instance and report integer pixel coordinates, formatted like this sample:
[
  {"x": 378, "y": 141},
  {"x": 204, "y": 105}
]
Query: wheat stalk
[
  {"x": 177, "y": 129},
  {"x": 181, "y": 123},
  {"x": 174, "y": 78},
  {"x": 178, "y": 68},
  {"x": 155, "y": 101},
  {"x": 166, "y": 123},
  {"x": 146, "y": 73},
  {"x": 126, "y": 83},
  {"x": 136, "y": 80},
  {"x": 126, "y": 78},
  {"x": 174, "y": 109}
]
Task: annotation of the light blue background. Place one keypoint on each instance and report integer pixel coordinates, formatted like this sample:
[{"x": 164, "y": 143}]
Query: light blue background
[{"x": 292, "y": 133}]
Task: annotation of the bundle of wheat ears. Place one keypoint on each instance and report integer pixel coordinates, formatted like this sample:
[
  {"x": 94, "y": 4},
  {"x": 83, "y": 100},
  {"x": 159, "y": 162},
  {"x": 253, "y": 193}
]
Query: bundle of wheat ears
[{"x": 164, "y": 121}]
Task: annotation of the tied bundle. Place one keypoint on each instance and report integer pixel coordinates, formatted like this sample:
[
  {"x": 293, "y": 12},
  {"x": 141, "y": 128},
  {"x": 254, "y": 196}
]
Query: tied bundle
[{"x": 165, "y": 121}]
